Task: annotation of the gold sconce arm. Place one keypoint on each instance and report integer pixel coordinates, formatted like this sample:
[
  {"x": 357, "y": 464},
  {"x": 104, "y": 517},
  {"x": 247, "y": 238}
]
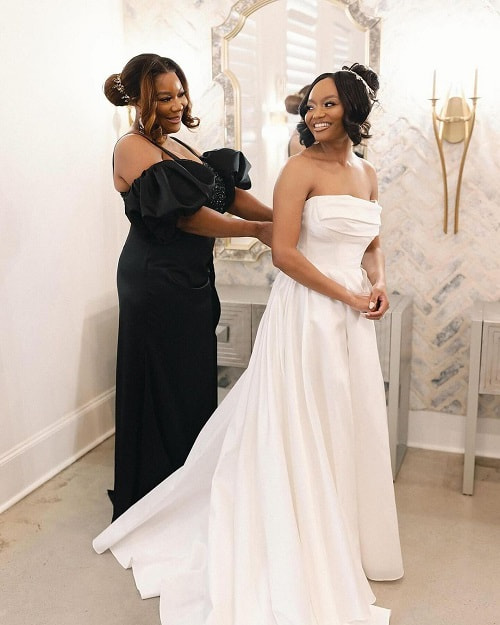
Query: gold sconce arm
[
  {"x": 439, "y": 141},
  {"x": 454, "y": 124},
  {"x": 469, "y": 126}
]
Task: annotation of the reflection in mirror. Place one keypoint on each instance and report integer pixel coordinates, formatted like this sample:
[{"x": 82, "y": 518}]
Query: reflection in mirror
[{"x": 265, "y": 51}]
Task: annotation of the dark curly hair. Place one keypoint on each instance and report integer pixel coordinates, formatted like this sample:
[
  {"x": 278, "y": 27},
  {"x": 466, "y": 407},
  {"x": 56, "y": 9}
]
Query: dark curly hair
[
  {"x": 357, "y": 86},
  {"x": 136, "y": 83}
]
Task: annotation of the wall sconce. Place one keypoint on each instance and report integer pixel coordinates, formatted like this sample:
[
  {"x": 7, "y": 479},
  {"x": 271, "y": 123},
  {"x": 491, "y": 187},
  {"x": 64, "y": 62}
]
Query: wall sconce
[{"x": 453, "y": 124}]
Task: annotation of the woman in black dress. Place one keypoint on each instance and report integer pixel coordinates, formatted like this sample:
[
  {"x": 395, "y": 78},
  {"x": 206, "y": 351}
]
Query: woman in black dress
[{"x": 166, "y": 385}]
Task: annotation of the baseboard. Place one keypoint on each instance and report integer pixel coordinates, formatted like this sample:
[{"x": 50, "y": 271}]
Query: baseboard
[
  {"x": 36, "y": 460},
  {"x": 446, "y": 432}
]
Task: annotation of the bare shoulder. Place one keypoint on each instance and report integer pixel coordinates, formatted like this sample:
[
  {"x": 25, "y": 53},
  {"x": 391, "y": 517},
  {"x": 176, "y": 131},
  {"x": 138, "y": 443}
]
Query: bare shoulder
[
  {"x": 133, "y": 154},
  {"x": 371, "y": 174},
  {"x": 368, "y": 168},
  {"x": 132, "y": 145},
  {"x": 297, "y": 175},
  {"x": 366, "y": 164},
  {"x": 299, "y": 164}
]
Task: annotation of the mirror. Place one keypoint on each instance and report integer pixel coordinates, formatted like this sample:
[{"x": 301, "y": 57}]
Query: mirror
[{"x": 265, "y": 51}]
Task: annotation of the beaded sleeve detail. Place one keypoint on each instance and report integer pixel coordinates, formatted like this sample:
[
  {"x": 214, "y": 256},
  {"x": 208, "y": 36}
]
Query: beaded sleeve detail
[{"x": 218, "y": 197}]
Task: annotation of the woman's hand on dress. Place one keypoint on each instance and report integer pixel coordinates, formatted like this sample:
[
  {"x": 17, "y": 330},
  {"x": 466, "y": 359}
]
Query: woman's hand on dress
[
  {"x": 360, "y": 302},
  {"x": 379, "y": 302},
  {"x": 264, "y": 231}
]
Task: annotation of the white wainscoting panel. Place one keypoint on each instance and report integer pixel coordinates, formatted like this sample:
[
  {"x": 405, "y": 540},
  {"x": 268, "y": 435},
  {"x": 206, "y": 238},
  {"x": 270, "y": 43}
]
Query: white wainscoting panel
[
  {"x": 31, "y": 463},
  {"x": 446, "y": 432}
]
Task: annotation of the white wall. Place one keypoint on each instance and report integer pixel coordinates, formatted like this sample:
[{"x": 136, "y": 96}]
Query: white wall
[{"x": 61, "y": 231}]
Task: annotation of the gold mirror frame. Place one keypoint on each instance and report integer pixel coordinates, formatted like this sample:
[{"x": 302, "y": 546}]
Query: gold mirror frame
[{"x": 221, "y": 74}]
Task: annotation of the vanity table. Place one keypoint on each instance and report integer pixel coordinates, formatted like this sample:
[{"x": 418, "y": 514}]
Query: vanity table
[
  {"x": 242, "y": 308},
  {"x": 394, "y": 336},
  {"x": 484, "y": 376}
]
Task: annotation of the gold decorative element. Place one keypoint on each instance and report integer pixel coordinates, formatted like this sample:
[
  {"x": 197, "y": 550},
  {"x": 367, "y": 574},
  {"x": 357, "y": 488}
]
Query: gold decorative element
[
  {"x": 221, "y": 37},
  {"x": 453, "y": 124}
]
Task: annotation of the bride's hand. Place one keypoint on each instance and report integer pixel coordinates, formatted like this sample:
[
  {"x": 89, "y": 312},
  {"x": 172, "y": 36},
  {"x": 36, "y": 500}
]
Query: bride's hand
[
  {"x": 379, "y": 302},
  {"x": 360, "y": 302}
]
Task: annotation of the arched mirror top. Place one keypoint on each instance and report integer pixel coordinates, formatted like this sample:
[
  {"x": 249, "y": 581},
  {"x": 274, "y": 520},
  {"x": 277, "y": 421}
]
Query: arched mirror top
[
  {"x": 303, "y": 39},
  {"x": 224, "y": 33}
]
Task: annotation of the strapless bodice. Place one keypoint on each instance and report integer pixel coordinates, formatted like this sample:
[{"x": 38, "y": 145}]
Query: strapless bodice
[{"x": 336, "y": 230}]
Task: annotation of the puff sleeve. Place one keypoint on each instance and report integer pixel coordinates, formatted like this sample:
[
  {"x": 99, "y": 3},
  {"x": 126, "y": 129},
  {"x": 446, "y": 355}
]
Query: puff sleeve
[
  {"x": 166, "y": 191},
  {"x": 232, "y": 166}
]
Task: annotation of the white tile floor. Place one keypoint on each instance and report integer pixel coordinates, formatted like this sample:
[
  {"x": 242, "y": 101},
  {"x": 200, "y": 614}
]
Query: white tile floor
[{"x": 49, "y": 574}]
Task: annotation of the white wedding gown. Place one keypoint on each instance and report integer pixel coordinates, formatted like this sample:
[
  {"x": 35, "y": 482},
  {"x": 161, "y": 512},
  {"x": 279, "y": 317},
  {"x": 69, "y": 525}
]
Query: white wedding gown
[{"x": 286, "y": 503}]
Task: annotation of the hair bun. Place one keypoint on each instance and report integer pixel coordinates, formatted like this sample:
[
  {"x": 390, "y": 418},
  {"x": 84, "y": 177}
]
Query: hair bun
[
  {"x": 114, "y": 90},
  {"x": 292, "y": 102},
  {"x": 367, "y": 74}
]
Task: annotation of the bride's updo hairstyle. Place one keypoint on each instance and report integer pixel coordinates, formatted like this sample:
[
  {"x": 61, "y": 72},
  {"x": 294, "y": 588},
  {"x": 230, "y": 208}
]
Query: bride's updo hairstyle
[
  {"x": 135, "y": 86},
  {"x": 357, "y": 87}
]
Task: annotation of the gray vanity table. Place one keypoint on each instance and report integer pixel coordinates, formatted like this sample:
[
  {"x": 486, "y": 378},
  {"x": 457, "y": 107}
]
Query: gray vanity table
[
  {"x": 394, "y": 336},
  {"x": 242, "y": 308},
  {"x": 484, "y": 376}
]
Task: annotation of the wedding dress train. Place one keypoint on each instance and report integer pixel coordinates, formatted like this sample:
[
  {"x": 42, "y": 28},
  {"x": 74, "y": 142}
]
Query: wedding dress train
[{"x": 285, "y": 505}]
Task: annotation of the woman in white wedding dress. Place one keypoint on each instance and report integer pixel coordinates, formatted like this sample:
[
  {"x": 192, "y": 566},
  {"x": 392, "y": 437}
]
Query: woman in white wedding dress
[{"x": 285, "y": 505}]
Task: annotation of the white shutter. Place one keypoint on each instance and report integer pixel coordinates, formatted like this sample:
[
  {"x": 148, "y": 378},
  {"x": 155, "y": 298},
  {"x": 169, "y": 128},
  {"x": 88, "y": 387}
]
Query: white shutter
[
  {"x": 301, "y": 38},
  {"x": 271, "y": 63}
]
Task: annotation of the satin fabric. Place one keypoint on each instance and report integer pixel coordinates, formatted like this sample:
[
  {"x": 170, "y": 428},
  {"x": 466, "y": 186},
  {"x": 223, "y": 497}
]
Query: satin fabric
[
  {"x": 166, "y": 375},
  {"x": 285, "y": 505}
]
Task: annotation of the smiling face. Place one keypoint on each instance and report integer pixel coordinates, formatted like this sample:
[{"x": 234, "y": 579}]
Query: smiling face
[
  {"x": 171, "y": 100},
  {"x": 325, "y": 111}
]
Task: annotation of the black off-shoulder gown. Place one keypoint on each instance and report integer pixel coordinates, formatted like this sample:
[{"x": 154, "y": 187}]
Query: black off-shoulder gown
[{"x": 166, "y": 382}]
